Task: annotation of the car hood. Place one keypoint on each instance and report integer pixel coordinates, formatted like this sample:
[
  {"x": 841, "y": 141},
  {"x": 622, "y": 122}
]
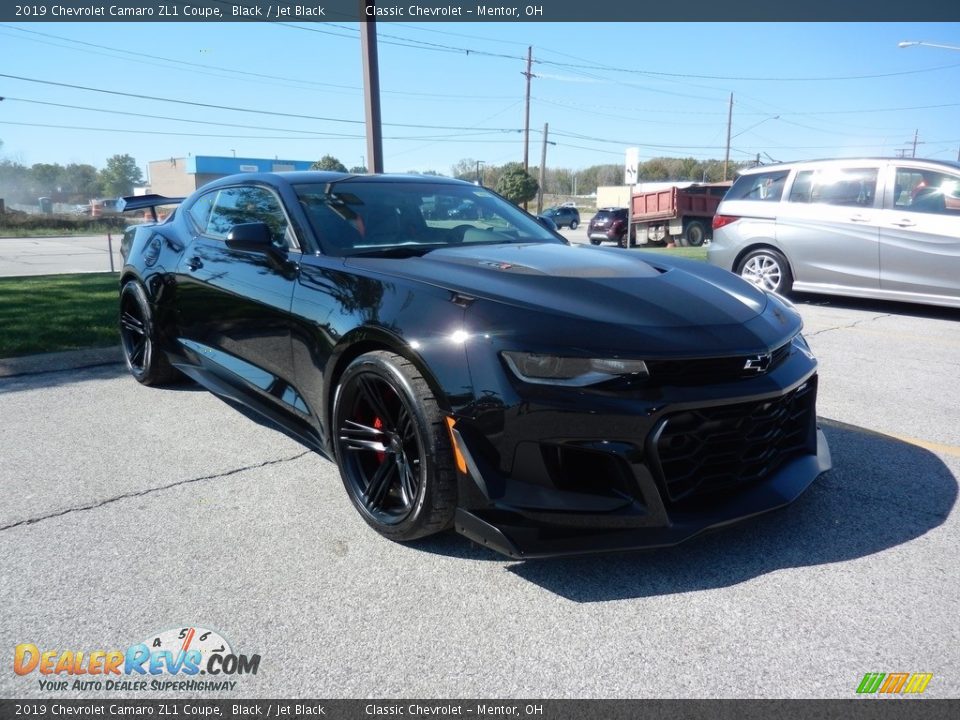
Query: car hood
[{"x": 594, "y": 284}]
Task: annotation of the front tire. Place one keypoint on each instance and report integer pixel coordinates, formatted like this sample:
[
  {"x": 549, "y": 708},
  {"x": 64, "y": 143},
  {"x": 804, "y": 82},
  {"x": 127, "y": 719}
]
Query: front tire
[
  {"x": 392, "y": 448},
  {"x": 767, "y": 269},
  {"x": 138, "y": 335}
]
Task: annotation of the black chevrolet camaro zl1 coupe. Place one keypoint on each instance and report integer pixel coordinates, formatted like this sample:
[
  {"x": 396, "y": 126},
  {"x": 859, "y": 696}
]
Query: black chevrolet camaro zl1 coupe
[{"x": 481, "y": 374}]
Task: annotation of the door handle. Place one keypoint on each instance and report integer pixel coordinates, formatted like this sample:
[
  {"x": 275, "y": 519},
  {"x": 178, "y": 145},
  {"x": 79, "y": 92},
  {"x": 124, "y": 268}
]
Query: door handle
[
  {"x": 904, "y": 223},
  {"x": 194, "y": 263}
]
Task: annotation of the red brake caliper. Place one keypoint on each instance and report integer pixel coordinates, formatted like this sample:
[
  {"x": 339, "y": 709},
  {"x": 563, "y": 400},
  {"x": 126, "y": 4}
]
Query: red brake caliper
[{"x": 378, "y": 424}]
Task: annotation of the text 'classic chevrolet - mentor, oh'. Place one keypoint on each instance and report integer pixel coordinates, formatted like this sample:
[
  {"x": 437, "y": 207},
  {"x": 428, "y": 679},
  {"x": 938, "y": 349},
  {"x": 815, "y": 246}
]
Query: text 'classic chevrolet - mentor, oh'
[{"x": 466, "y": 367}]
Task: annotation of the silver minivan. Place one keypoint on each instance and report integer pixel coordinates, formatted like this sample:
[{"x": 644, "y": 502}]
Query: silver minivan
[{"x": 865, "y": 227}]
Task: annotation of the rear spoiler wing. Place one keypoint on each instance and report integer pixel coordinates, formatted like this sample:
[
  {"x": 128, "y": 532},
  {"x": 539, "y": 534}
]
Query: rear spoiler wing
[{"x": 147, "y": 202}]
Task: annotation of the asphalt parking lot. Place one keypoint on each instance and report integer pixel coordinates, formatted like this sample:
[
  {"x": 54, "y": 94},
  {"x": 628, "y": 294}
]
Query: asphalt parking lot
[{"x": 129, "y": 511}]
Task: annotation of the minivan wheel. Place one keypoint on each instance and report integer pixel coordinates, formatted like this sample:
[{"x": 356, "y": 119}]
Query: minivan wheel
[
  {"x": 767, "y": 269},
  {"x": 595, "y": 241}
]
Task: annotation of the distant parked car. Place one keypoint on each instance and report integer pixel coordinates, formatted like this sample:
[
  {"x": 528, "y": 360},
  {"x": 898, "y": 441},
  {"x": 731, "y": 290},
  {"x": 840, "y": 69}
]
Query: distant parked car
[
  {"x": 611, "y": 224},
  {"x": 564, "y": 216},
  {"x": 865, "y": 227}
]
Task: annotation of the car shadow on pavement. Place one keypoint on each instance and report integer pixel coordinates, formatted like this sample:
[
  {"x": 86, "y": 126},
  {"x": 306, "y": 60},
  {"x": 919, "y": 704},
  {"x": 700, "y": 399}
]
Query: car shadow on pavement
[
  {"x": 106, "y": 371},
  {"x": 883, "y": 307},
  {"x": 882, "y": 492}
]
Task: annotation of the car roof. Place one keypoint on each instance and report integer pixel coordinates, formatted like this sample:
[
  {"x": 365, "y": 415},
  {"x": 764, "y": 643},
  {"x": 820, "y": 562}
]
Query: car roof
[
  {"x": 828, "y": 162},
  {"x": 296, "y": 177}
]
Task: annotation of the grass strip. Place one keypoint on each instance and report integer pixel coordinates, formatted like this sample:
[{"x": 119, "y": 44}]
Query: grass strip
[{"x": 48, "y": 313}]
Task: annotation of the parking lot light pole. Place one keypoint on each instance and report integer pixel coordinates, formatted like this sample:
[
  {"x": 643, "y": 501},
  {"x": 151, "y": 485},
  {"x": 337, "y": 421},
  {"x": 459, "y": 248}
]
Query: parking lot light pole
[{"x": 942, "y": 46}]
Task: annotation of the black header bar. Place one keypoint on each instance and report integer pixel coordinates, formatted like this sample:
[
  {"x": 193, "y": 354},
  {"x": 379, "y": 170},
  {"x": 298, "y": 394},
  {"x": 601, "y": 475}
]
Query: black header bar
[
  {"x": 299, "y": 11},
  {"x": 178, "y": 709}
]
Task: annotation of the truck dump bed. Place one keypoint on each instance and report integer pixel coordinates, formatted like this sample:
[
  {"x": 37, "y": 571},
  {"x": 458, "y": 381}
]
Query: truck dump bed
[{"x": 698, "y": 200}]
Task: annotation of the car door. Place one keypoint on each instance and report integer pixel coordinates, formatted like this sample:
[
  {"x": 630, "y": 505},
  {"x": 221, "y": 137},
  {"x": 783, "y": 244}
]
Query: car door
[
  {"x": 828, "y": 225},
  {"x": 234, "y": 304},
  {"x": 920, "y": 233}
]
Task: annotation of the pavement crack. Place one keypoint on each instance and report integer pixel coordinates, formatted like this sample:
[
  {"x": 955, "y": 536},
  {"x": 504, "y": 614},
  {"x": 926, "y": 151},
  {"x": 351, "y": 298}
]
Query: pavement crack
[
  {"x": 847, "y": 327},
  {"x": 150, "y": 491}
]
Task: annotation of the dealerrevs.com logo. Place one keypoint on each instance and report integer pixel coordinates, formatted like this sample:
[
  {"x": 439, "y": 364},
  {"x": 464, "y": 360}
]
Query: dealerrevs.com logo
[
  {"x": 181, "y": 653},
  {"x": 894, "y": 683}
]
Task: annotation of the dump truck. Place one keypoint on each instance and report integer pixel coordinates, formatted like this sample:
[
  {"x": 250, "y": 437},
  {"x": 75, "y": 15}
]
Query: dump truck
[{"x": 682, "y": 215}]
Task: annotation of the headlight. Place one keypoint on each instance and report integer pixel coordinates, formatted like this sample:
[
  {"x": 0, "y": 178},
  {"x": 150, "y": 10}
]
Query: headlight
[{"x": 570, "y": 371}]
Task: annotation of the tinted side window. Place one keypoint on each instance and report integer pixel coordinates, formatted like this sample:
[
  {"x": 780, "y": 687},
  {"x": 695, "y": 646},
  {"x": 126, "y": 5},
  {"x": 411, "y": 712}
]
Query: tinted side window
[
  {"x": 759, "y": 186},
  {"x": 245, "y": 205},
  {"x": 200, "y": 210},
  {"x": 926, "y": 191},
  {"x": 836, "y": 186}
]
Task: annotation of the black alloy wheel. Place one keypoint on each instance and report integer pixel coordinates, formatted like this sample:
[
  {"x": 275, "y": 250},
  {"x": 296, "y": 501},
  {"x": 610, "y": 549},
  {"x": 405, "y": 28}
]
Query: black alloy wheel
[
  {"x": 138, "y": 336},
  {"x": 392, "y": 447}
]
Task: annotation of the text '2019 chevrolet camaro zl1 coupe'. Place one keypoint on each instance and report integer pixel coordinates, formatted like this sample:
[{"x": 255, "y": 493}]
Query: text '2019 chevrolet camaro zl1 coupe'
[{"x": 483, "y": 374}]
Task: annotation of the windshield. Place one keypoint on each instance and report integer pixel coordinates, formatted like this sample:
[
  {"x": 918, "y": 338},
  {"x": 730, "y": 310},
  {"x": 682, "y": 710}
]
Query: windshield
[{"x": 357, "y": 217}]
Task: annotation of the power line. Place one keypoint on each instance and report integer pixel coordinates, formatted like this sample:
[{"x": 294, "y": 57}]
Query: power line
[{"x": 244, "y": 110}]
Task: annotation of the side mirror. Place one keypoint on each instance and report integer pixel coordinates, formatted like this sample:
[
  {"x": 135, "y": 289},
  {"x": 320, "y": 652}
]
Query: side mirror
[
  {"x": 547, "y": 222},
  {"x": 255, "y": 236}
]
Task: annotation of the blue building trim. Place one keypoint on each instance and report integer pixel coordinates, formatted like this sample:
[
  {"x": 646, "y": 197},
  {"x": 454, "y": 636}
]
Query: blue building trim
[{"x": 213, "y": 165}]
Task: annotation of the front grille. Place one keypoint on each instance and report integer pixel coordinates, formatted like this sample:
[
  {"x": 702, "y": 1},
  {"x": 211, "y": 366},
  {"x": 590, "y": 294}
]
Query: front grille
[
  {"x": 706, "y": 371},
  {"x": 700, "y": 454}
]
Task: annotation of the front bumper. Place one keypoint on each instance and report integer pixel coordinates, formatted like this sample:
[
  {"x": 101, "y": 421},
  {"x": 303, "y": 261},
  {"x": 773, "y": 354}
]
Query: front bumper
[
  {"x": 520, "y": 536},
  {"x": 586, "y": 482}
]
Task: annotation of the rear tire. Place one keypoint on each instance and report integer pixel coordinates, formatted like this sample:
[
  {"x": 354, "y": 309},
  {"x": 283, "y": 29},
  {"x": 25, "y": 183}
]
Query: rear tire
[
  {"x": 695, "y": 233},
  {"x": 138, "y": 339},
  {"x": 595, "y": 241},
  {"x": 767, "y": 269},
  {"x": 393, "y": 449},
  {"x": 574, "y": 224}
]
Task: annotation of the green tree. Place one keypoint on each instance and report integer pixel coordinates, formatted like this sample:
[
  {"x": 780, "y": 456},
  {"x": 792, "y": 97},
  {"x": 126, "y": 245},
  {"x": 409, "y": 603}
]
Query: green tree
[
  {"x": 15, "y": 182},
  {"x": 516, "y": 184},
  {"x": 465, "y": 169},
  {"x": 120, "y": 175},
  {"x": 80, "y": 182},
  {"x": 45, "y": 178},
  {"x": 359, "y": 169},
  {"x": 329, "y": 162}
]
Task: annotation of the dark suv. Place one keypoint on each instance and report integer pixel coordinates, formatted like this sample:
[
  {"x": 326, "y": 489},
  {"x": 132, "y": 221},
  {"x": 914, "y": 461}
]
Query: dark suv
[
  {"x": 564, "y": 215},
  {"x": 608, "y": 224}
]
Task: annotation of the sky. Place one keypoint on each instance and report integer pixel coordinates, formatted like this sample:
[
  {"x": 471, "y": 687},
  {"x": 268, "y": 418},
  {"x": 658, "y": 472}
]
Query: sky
[{"x": 456, "y": 91}]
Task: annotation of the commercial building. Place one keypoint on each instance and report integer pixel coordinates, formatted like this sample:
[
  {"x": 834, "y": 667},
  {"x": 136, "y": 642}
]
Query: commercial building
[{"x": 176, "y": 177}]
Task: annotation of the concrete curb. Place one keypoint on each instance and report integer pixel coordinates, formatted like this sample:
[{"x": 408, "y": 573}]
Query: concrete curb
[{"x": 58, "y": 361}]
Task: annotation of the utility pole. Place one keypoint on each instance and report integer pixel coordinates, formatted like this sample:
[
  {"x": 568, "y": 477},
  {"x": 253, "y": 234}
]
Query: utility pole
[
  {"x": 915, "y": 133},
  {"x": 371, "y": 86},
  {"x": 543, "y": 168},
  {"x": 526, "y": 116},
  {"x": 479, "y": 176},
  {"x": 726, "y": 158}
]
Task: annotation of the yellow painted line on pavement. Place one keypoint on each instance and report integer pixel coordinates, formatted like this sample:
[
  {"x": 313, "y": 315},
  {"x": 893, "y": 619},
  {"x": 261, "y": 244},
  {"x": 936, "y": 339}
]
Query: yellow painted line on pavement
[{"x": 925, "y": 444}]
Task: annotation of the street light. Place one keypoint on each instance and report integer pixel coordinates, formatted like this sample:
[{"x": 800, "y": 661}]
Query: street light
[
  {"x": 772, "y": 117},
  {"x": 913, "y": 43}
]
